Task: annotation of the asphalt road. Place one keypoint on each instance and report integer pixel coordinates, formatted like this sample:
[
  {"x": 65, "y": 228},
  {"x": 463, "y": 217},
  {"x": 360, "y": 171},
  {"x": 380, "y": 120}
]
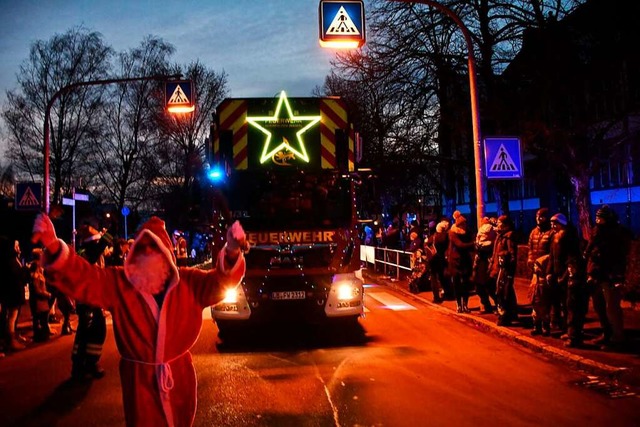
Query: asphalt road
[{"x": 404, "y": 364}]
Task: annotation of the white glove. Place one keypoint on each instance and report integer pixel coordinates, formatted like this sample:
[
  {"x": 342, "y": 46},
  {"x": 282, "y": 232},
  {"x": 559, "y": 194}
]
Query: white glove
[
  {"x": 43, "y": 231},
  {"x": 236, "y": 238}
]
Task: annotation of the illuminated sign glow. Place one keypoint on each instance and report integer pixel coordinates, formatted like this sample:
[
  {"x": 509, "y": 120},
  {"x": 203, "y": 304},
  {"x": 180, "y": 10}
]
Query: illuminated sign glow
[
  {"x": 342, "y": 24},
  {"x": 283, "y": 119},
  {"x": 179, "y": 97},
  {"x": 307, "y": 236}
]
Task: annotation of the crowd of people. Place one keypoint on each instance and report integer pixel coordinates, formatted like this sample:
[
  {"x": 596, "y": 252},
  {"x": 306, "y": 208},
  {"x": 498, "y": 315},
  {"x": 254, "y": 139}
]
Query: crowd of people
[
  {"x": 565, "y": 271},
  {"x": 156, "y": 301},
  {"x": 26, "y": 283}
]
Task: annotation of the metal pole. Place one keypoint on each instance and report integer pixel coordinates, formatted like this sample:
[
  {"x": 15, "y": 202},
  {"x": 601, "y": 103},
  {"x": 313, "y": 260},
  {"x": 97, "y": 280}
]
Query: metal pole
[
  {"x": 73, "y": 225},
  {"x": 475, "y": 117},
  {"x": 397, "y": 265},
  {"x": 68, "y": 88}
]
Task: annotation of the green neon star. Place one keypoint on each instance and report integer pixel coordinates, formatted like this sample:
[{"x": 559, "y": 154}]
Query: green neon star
[{"x": 267, "y": 153}]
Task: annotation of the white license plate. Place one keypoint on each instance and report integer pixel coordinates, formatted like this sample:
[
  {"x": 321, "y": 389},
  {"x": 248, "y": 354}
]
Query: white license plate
[{"x": 288, "y": 295}]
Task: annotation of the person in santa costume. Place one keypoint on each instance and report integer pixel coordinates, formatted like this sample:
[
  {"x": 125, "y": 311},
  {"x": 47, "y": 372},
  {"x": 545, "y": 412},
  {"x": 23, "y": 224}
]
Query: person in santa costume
[{"x": 157, "y": 313}]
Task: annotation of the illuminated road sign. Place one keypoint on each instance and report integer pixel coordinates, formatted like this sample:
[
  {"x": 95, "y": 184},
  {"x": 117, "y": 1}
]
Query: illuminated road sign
[
  {"x": 342, "y": 24},
  {"x": 503, "y": 159}
]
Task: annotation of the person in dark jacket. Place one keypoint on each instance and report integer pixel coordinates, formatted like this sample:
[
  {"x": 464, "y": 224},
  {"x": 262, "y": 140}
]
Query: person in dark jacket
[
  {"x": 606, "y": 256},
  {"x": 438, "y": 263},
  {"x": 540, "y": 294},
  {"x": 577, "y": 302},
  {"x": 92, "y": 326},
  {"x": 564, "y": 247},
  {"x": 502, "y": 268},
  {"x": 460, "y": 260},
  {"x": 391, "y": 238},
  {"x": 15, "y": 276}
]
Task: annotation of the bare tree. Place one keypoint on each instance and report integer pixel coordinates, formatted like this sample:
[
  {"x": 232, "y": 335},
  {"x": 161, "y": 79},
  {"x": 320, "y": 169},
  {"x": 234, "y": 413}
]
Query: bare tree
[
  {"x": 124, "y": 149},
  {"x": 181, "y": 149},
  {"x": 398, "y": 95},
  {"x": 7, "y": 181},
  {"x": 423, "y": 57},
  {"x": 75, "y": 56},
  {"x": 579, "y": 109}
]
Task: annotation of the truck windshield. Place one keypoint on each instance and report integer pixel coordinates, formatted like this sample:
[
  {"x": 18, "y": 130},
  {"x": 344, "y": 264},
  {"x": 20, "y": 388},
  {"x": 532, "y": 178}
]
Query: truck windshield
[{"x": 298, "y": 200}]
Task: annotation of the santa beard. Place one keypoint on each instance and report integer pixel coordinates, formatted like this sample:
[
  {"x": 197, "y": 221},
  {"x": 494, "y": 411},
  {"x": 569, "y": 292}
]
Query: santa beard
[{"x": 149, "y": 272}]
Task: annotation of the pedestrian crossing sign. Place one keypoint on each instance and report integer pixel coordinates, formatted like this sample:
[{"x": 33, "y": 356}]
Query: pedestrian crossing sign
[
  {"x": 28, "y": 196},
  {"x": 342, "y": 24},
  {"x": 179, "y": 96},
  {"x": 503, "y": 158}
]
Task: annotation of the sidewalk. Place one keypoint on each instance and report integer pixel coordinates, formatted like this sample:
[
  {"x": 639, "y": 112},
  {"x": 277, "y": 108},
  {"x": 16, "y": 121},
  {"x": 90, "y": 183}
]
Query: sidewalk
[
  {"x": 623, "y": 365},
  {"x": 25, "y": 329}
]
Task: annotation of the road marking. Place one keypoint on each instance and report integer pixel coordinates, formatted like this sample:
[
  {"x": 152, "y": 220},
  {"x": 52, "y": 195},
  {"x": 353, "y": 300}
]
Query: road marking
[{"x": 390, "y": 302}]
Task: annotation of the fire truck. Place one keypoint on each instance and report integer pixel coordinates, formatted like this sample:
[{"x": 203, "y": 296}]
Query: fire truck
[{"x": 286, "y": 169}]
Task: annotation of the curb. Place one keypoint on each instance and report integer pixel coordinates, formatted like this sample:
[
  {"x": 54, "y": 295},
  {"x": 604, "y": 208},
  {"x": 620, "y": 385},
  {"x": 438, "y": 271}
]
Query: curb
[{"x": 582, "y": 363}]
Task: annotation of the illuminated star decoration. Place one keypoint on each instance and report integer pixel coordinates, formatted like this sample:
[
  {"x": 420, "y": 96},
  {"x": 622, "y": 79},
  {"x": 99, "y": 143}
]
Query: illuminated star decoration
[{"x": 267, "y": 153}]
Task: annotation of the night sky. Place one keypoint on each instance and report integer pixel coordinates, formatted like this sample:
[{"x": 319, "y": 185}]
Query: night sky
[{"x": 263, "y": 46}]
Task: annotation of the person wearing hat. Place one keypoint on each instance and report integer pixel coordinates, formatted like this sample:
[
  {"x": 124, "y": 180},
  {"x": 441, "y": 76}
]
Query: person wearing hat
[
  {"x": 565, "y": 249},
  {"x": 539, "y": 246},
  {"x": 502, "y": 269},
  {"x": 460, "y": 262},
  {"x": 156, "y": 308},
  {"x": 540, "y": 238},
  {"x": 606, "y": 256},
  {"x": 180, "y": 248}
]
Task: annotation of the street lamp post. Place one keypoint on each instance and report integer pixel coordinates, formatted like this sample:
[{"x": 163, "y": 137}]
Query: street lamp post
[
  {"x": 61, "y": 92},
  {"x": 473, "y": 89}
]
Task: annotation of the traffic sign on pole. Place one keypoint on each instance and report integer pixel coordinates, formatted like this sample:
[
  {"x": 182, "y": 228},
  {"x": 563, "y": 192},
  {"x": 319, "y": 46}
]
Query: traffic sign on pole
[
  {"x": 342, "y": 24},
  {"x": 179, "y": 96},
  {"x": 125, "y": 211},
  {"x": 28, "y": 196},
  {"x": 503, "y": 159}
]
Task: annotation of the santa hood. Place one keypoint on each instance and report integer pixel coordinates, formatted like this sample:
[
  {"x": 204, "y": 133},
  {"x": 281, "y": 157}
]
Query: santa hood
[{"x": 154, "y": 234}]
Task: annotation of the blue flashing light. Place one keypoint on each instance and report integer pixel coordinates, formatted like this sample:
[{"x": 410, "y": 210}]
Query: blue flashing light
[{"x": 216, "y": 175}]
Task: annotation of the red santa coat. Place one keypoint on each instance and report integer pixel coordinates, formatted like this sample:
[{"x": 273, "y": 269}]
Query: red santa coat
[{"x": 156, "y": 370}]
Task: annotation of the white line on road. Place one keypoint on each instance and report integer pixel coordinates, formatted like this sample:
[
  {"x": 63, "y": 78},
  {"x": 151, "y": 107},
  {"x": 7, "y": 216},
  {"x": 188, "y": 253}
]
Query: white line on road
[{"x": 391, "y": 302}]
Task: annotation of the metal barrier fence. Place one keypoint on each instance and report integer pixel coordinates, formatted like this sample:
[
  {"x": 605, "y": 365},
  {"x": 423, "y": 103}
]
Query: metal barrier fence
[{"x": 393, "y": 263}]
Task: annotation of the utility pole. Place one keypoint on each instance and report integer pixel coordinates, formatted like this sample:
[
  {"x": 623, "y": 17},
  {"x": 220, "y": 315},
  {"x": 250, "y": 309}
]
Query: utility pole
[{"x": 475, "y": 110}]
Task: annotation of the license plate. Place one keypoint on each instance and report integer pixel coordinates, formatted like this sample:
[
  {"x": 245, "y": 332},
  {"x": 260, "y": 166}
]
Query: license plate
[{"x": 288, "y": 295}]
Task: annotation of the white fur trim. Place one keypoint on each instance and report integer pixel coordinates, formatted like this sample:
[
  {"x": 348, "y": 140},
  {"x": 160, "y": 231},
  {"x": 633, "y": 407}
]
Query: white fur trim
[
  {"x": 57, "y": 261},
  {"x": 238, "y": 264},
  {"x": 235, "y": 235},
  {"x": 163, "y": 250}
]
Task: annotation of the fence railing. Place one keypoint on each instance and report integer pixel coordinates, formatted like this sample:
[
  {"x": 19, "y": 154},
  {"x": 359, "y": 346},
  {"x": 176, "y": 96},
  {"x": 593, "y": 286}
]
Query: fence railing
[{"x": 393, "y": 263}]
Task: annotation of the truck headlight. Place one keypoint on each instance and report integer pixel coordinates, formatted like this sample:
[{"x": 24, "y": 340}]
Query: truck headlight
[
  {"x": 346, "y": 287},
  {"x": 230, "y": 296},
  {"x": 345, "y": 292}
]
